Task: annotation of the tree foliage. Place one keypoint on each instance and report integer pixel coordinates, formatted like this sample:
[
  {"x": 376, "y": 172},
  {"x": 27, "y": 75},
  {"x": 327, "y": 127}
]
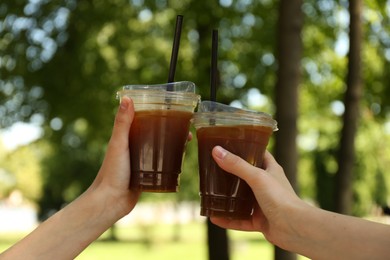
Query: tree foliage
[{"x": 62, "y": 61}]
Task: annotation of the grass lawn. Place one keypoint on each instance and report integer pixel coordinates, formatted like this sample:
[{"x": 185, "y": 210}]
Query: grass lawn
[{"x": 158, "y": 242}]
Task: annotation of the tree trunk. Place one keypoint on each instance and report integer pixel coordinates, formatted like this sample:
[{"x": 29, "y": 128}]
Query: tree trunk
[
  {"x": 217, "y": 241},
  {"x": 217, "y": 238},
  {"x": 346, "y": 156},
  {"x": 289, "y": 50}
]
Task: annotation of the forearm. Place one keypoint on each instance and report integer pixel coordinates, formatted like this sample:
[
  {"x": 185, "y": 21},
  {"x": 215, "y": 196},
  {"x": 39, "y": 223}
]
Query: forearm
[
  {"x": 321, "y": 234},
  {"x": 68, "y": 232}
]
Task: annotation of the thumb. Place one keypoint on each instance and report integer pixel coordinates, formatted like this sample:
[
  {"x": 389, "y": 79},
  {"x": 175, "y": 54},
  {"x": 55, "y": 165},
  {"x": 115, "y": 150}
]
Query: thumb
[
  {"x": 236, "y": 165},
  {"x": 120, "y": 133},
  {"x": 118, "y": 146}
]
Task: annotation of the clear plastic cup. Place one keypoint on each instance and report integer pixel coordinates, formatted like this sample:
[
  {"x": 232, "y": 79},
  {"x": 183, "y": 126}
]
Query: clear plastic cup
[
  {"x": 243, "y": 132},
  {"x": 159, "y": 133}
]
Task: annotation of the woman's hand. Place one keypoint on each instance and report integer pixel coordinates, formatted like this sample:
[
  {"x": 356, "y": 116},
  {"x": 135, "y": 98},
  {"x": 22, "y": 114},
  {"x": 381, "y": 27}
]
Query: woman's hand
[
  {"x": 68, "y": 232},
  {"x": 273, "y": 192},
  {"x": 114, "y": 176},
  {"x": 290, "y": 223}
]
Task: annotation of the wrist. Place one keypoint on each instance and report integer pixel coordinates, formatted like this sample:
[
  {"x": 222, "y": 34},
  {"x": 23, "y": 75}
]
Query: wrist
[
  {"x": 307, "y": 234},
  {"x": 116, "y": 201},
  {"x": 105, "y": 205},
  {"x": 291, "y": 225}
]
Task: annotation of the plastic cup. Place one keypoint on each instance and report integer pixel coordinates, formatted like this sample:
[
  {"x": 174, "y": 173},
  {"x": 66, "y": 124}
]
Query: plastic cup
[
  {"x": 159, "y": 133},
  {"x": 242, "y": 132}
]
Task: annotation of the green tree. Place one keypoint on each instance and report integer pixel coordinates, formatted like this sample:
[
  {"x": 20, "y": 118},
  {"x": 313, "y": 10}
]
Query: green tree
[
  {"x": 289, "y": 50},
  {"x": 325, "y": 38},
  {"x": 61, "y": 62},
  {"x": 21, "y": 170},
  {"x": 346, "y": 157}
]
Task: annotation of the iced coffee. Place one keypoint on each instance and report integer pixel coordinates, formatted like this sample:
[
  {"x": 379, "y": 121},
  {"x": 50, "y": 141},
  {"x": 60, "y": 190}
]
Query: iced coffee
[
  {"x": 242, "y": 132},
  {"x": 159, "y": 133}
]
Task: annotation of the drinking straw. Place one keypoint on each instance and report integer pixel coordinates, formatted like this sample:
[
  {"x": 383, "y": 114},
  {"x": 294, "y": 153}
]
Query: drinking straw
[
  {"x": 175, "y": 50},
  {"x": 213, "y": 72},
  {"x": 214, "y": 69}
]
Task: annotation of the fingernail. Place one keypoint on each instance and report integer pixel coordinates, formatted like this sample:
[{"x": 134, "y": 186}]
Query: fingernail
[
  {"x": 124, "y": 103},
  {"x": 220, "y": 152}
]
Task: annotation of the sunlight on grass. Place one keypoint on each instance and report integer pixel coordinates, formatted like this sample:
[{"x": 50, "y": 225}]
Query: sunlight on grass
[{"x": 174, "y": 242}]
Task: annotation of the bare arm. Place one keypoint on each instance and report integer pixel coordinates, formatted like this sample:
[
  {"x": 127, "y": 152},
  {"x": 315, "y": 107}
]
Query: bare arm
[
  {"x": 72, "y": 229},
  {"x": 322, "y": 234},
  {"x": 293, "y": 225}
]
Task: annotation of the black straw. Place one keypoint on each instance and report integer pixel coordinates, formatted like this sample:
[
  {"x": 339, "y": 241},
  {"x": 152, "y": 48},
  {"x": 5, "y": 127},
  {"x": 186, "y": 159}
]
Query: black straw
[
  {"x": 214, "y": 69},
  {"x": 175, "y": 49}
]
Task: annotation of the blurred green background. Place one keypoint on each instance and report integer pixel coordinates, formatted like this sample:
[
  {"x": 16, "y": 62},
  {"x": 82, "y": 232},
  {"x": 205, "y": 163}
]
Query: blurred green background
[{"x": 62, "y": 61}]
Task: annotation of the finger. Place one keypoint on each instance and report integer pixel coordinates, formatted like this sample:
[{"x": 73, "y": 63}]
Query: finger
[
  {"x": 235, "y": 165},
  {"x": 235, "y": 224},
  {"x": 134, "y": 196},
  {"x": 257, "y": 222},
  {"x": 228, "y": 223},
  {"x": 123, "y": 119},
  {"x": 269, "y": 162},
  {"x": 190, "y": 136},
  {"x": 118, "y": 144},
  {"x": 271, "y": 166}
]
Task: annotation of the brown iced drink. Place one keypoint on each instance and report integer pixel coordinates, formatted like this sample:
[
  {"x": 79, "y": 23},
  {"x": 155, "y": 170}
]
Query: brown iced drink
[
  {"x": 159, "y": 132},
  {"x": 157, "y": 143},
  {"x": 243, "y": 132},
  {"x": 223, "y": 194}
]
